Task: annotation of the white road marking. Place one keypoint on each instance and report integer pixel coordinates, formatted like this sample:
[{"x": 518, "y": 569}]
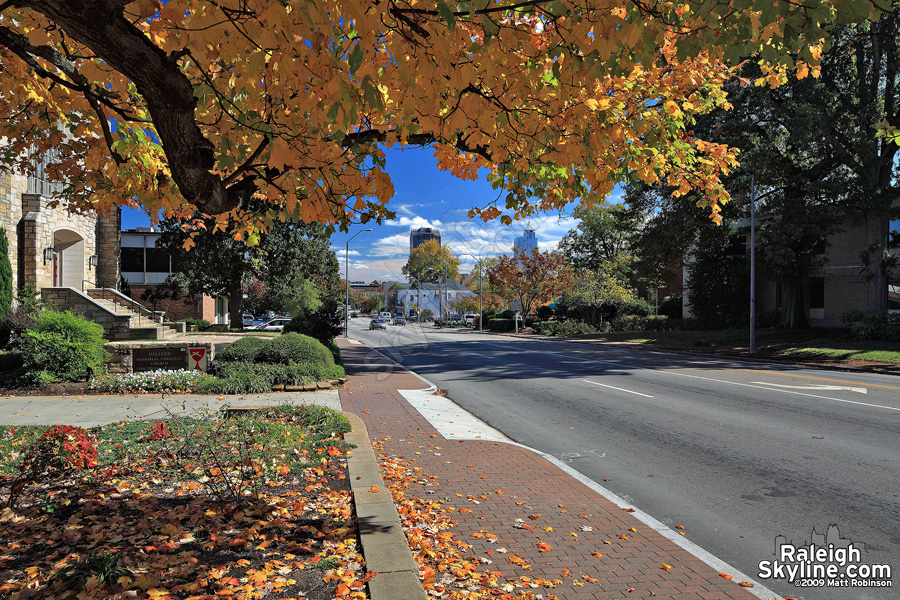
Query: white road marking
[
  {"x": 483, "y": 356},
  {"x": 615, "y": 388},
  {"x": 759, "y": 387},
  {"x": 820, "y": 388}
]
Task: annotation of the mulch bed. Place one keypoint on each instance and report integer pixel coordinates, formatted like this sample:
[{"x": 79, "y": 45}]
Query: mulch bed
[{"x": 299, "y": 539}]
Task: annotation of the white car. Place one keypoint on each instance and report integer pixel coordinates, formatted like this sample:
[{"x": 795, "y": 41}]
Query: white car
[{"x": 273, "y": 325}]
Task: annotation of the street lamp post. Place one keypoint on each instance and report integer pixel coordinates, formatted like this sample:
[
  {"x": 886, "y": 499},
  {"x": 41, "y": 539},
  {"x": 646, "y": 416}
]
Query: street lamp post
[
  {"x": 347, "y": 281},
  {"x": 480, "y": 291}
]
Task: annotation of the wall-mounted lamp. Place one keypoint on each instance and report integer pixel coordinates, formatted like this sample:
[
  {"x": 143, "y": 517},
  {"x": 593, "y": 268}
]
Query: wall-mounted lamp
[
  {"x": 48, "y": 253},
  {"x": 94, "y": 260}
]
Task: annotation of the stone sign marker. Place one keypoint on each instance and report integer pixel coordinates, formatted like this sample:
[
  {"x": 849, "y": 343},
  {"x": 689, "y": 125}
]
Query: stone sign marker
[{"x": 167, "y": 359}]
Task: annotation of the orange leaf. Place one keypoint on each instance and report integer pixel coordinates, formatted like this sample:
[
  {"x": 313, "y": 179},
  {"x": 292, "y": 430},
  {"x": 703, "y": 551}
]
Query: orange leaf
[
  {"x": 666, "y": 567},
  {"x": 543, "y": 547},
  {"x": 745, "y": 584},
  {"x": 332, "y": 451},
  {"x": 726, "y": 576}
]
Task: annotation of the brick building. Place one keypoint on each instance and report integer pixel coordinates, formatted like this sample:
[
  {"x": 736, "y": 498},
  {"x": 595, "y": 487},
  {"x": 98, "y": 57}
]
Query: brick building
[{"x": 144, "y": 267}]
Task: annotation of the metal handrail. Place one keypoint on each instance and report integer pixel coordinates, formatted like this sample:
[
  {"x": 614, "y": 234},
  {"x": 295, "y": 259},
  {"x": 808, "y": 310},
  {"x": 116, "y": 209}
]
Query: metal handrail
[
  {"x": 140, "y": 309},
  {"x": 82, "y": 285}
]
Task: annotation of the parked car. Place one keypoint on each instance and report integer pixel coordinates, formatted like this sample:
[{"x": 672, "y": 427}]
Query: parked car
[
  {"x": 377, "y": 324},
  {"x": 273, "y": 325},
  {"x": 249, "y": 319},
  {"x": 470, "y": 320},
  {"x": 399, "y": 321},
  {"x": 353, "y": 315},
  {"x": 455, "y": 319}
]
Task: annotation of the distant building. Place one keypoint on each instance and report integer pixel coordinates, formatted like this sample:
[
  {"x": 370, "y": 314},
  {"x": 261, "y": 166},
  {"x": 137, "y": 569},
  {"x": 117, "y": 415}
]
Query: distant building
[
  {"x": 419, "y": 236},
  {"x": 429, "y": 294},
  {"x": 144, "y": 266},
  {"x": 527, "y": 242}
]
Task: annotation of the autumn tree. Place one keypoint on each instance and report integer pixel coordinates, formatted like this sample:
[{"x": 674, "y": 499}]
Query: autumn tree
[
  {"x": 477, "y": 280},
  {"x": 598, "y": 292},
  {"x": 190, "y": 106},
  {"x": 531, "y": 277},
  {"x": 429, "y": 262}
]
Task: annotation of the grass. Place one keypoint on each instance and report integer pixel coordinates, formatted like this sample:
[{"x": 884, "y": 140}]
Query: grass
[
  {"x": 774, "y": 343},
  {"x": 243, "y": 507}
]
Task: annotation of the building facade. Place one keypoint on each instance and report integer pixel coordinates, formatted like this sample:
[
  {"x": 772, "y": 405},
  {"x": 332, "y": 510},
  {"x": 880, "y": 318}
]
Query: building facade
[
  {"x": 839, "y": 285},
  {"x": 527, "y": 242},
  {"x": 144, "y": 267},
  {"x": 419, "y": 236},
  {"x": 437, "y": 298},
  {"x": 50, "y": 246}
]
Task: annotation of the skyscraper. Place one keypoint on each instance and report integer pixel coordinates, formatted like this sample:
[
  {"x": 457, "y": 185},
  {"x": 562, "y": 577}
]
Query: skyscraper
[
  {"x": 527, "y": 242},
  {"x": 419, "y": 236}
]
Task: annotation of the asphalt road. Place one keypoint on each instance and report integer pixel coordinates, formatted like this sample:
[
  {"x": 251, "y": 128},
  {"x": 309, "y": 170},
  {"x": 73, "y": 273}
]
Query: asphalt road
[{"x": 737, "y": 453}]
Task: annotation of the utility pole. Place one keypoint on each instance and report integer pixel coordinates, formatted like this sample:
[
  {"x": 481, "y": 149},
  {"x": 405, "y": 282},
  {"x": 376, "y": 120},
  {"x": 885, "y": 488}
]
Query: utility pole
[{"x": 752, "y": 263}]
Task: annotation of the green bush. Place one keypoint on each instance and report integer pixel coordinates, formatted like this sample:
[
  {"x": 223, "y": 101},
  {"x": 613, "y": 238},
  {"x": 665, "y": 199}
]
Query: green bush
[
  {"x": 635, "y": 306},
  {"x": 6, "y": 289},
  {"x": 201, "y": 324},
  {"x": 333, "y": 348},
  {"x": 323, "y": 324},
  {"x": 562, "y": 328},
  {"x": 257, "y": 378},
  {"x": 672, "y": 307},
  {"x": 501, "y": 325},
  {"x": 881, "y": 326},
  {"x": 641, "y": 323},
  {"x": 62, "y": 347},
  {"x": 294, "y": 348},
  {"x": 243, "y": 349}
]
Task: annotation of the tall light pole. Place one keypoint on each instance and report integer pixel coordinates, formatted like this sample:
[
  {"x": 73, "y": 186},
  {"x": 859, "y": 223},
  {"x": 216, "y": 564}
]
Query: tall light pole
[
  {"x": 480, "y": 291},
  {"x": 347, "y": 281}
]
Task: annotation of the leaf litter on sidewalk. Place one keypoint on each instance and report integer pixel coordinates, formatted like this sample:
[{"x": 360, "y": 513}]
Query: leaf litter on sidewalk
[{"x": 249, "y": 507}]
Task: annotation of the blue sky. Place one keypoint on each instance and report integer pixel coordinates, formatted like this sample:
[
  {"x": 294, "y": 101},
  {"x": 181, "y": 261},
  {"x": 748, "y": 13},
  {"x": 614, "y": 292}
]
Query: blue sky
[{"x": 425, "y": 196}]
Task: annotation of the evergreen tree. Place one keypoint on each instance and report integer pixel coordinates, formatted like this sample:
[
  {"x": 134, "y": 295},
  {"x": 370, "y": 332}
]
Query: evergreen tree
[{"x": 6, "y": 288}]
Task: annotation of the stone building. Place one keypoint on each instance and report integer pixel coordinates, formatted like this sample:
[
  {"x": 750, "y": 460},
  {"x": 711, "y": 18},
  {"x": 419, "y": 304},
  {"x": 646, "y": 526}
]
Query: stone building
[{"x": 51, "y": 247}]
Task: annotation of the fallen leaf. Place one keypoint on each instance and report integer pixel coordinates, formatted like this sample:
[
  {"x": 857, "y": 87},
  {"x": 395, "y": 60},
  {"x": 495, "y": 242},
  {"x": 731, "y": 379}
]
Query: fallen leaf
[{"x": 666, "y": 567}]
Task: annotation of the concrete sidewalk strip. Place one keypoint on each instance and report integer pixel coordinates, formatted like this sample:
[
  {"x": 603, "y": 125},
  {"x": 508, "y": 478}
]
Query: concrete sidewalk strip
[
  {"x": 88, "y": 410},
  {"x": 507, "y": 485}
]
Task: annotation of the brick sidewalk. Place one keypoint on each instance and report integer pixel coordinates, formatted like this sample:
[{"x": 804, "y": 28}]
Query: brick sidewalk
[{"x": 531, "y": 486}]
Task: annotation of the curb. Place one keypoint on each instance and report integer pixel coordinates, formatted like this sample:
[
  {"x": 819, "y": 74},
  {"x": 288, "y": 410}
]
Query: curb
[
  {"x": 758, "y": 589},
  {"x": 384, "y": 545},
  {"x": 656, "y": 348}
]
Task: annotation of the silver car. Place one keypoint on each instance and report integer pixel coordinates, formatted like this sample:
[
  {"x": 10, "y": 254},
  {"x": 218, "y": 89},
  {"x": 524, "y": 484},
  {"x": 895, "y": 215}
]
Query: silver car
[
  {"x": 377, "y": 324},
  {"x": 273, "y": 325}
]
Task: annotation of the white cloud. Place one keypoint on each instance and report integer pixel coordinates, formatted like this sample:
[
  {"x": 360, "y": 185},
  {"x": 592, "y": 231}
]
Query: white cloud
[
  {"x": 342, "y": 251},
  {"x": 392, "y": 246},
  {"x": 413, "y": 223}
]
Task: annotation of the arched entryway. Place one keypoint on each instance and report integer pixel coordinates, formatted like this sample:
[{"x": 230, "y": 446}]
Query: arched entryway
[{"x": 68, "y": 259}]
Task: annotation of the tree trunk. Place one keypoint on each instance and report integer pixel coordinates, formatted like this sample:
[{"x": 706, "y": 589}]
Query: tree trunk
[
  {"x": 876, "y": 245},
  {"x": 236, "y": 306},
  {"x": 795, "y": 314}
]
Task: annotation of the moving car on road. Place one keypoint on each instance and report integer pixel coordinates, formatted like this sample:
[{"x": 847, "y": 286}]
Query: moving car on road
[
  {"x": 377, "y": 324},
  {"x": 399, "y": 321}
]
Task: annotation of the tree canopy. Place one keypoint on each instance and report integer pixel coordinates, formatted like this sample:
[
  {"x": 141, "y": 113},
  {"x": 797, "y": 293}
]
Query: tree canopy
[
  {"x": 430, "y": 261},
  {"x": 203, "y": 106},
  {"x": 531, "y": 278}
]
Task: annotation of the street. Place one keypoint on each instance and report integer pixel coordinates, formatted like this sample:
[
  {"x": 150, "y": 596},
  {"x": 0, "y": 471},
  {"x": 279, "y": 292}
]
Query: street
[{"x": 737, "y": 453}]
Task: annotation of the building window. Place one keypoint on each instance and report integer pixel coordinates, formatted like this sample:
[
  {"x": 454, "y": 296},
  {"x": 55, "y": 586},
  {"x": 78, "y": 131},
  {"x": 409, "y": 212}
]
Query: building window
[
  {"x": 39, "y": 179},
  {"x": 133, "y": 260},
  {"x": 817, "y": 292},
  {"x": 157, "y": 261}
]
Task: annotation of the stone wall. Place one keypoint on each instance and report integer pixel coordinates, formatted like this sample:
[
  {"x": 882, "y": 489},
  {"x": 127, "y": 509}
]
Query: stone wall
[
  {"x": 115, "y": 327},
  {"x": 121, "y": 354},
  {"x": 109, "y": 228}
]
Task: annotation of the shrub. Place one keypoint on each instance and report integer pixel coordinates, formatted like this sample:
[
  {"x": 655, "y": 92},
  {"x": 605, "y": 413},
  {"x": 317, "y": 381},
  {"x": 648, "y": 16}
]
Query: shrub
[
  {"x": 881, "y": 326},
  {"x": 6, "y": 288},
  {"x": 544, "y": 313},
  {"x": 62, "y": 347},
  {"x": 640, "y": 323},
  {"x": 294, "y": 348},
  {"x": 257, "y": 378},
  {"x": 60, "y": 448},
  {"x": 501, "y": 324},
  {"x": 323, "y": 324},
  {"x": 635, "y": 306},
  {"x": 333, "y": 348},
  {"x": 243, "y": 349},
  {"x": 201, "y": 324},
  {"x": 562, "y": 328},
  {"x": 672, "y": 307}
]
